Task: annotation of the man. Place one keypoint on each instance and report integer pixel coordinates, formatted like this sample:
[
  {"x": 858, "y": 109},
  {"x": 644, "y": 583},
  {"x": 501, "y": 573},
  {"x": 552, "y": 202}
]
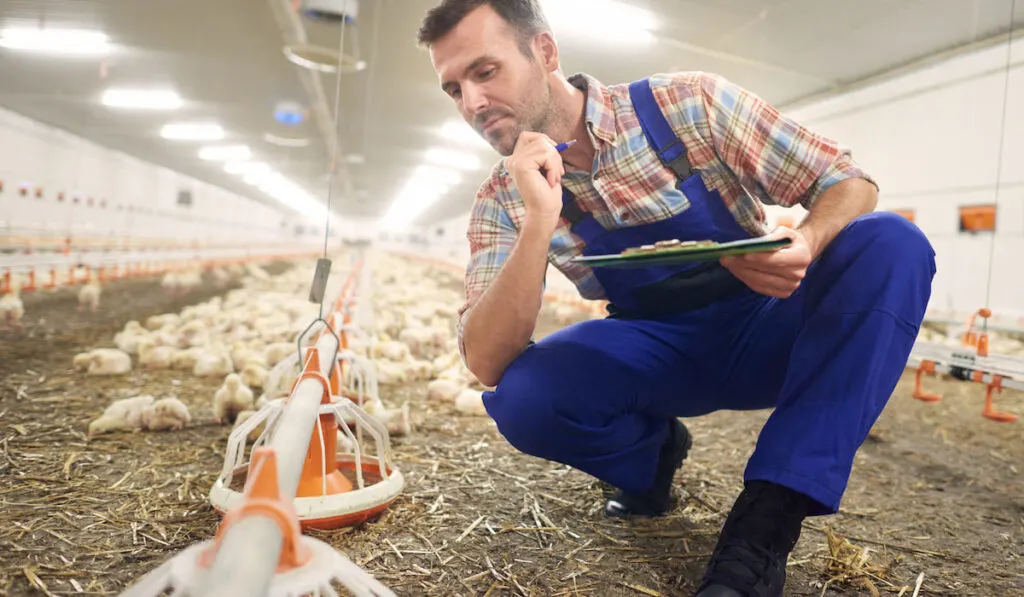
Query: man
[{"x": 819, "y": 330}]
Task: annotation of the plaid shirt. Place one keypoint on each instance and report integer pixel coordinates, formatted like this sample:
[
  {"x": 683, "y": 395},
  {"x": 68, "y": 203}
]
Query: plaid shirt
[{"x": 740, "y": 145}]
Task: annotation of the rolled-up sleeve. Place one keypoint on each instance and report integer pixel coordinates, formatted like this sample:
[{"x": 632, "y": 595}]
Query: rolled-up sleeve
[
  {"x": 491, "y": 236},
  {"x": 776, "y": 159}
]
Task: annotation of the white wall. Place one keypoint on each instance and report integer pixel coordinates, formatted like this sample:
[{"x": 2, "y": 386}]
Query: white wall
[
  {"x": 141, "y": 198},
  {"x": 932, "y": 140}
]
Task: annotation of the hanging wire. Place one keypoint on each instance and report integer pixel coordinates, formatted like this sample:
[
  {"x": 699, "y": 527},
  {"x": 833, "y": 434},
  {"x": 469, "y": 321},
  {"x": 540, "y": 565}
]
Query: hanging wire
[
  {"x": 378, "y": 9},
  {"x": 335, "y": 142},
  {"x": 999, "y": 163}
]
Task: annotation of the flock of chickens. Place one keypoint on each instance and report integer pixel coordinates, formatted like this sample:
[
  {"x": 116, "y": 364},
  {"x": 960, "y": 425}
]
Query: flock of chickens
[
  {"x": 12, "y": 307},
  {"x": 245, "y": 341}
]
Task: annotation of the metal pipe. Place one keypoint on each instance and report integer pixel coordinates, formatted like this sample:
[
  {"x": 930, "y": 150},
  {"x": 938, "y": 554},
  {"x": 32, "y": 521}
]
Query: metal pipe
[
  {"x": 250, "y": 550},
  {"x": 246, "y": 561}
]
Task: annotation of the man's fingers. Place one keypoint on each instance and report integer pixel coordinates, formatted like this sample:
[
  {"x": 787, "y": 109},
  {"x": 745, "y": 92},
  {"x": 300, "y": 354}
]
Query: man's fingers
[
  {"x": 783, "y": 272},
  {"x": 786, "y": 272},
  {"x": 770, "y": 285},
  {"x": 780, "y": 258}
]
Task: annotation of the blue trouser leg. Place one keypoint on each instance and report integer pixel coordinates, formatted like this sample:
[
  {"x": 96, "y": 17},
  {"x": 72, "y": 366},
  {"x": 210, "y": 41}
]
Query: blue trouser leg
[
  {"x": 588, "y": 396},
  {"x": 596, "y": 395},
  {"x": 860, "y": 308}
]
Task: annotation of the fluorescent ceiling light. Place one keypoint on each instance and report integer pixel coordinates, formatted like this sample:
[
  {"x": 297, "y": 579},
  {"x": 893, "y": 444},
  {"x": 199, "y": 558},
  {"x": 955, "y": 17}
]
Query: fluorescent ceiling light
[
  {"x": 244, "y": 167},
  {"x": 257, "y": 177},
  {"x": 56, "y": 41},
  {"x": 285, "y": 141},
  {"x": 222, "y": 153},
  {"x": 141, "y": 99},
  {"x": 453, "y": 159},
  {"x": 195, "y": 131},
  {"x": 603, "y": 20},
  {"x": 460, "y": 132},
  {"x": 292, "y": 195}
]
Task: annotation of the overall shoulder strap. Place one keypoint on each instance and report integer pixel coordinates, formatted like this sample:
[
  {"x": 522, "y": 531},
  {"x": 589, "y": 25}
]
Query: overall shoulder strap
[{"x": 657, "y": 129}]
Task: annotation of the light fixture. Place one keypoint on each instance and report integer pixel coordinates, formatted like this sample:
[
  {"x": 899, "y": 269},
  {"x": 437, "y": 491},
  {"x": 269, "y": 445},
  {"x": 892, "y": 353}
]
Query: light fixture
[
  {"x": 55, "y": 41},
  {"x": 257, "y": 177},
  {"x": 193, "y": 131},
  {"x": 289, "y": 113},
  {"x": 285, "y": 141},
  {"x": 245, "y": 167},
  {"x": 460, "y": 132},
  {"x": 453, "y": 159},
  {"x": 141, "y": 99},
  {"x": 607, "y": 21},
  {"x": 225, "y": 153},
  {"x": 292, "y": 195},
  {"x": 322, "y": 59}
]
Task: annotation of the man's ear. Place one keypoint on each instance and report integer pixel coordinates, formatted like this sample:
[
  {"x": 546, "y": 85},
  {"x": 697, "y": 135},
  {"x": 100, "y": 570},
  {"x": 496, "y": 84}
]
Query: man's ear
[{"x": 547, "y": 51}]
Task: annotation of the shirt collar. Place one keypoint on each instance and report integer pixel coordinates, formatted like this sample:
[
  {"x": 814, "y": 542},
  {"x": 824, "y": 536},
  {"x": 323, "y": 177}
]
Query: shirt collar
[{"x": 600, "y": 111}]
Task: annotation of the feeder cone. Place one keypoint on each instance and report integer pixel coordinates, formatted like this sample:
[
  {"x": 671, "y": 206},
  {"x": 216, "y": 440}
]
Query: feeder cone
[
  {"x": 306, "y": 566},
  {"x": 320, "y": 475},
  {"x": 263, "y": 498}
]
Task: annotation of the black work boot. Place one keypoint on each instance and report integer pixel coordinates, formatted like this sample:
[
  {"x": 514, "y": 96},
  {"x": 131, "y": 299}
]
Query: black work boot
[
  {"x": 750, "y": 557},
  {"x": 658, "y": 499}
]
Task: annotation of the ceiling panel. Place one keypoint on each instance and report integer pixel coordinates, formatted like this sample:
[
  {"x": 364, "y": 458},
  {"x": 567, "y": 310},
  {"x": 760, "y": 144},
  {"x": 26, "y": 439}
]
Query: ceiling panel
[{"x": 225, "y": 57}]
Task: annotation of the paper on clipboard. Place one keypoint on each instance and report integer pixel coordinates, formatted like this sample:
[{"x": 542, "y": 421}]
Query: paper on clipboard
[{"x": 674, "y": 251}]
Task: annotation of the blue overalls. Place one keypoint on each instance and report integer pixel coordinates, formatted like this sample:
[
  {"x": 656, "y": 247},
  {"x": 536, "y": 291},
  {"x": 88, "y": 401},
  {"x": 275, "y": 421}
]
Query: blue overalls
[{"x": 684, "y": 341}]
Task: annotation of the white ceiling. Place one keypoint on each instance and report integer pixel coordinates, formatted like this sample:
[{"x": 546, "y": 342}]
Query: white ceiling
[{"x": 225, "y": 58}]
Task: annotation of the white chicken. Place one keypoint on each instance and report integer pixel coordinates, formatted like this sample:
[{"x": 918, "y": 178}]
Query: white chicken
[
  {"x": 232, "y": 398},
  {"x": 210, "y": 363},
  {"x": 152, "y": 356},
  {"x": 167, "y": 414},
  {"x": 127, "y": 340},
  {"x": 277, "y": 352},
  {"x": 390, "y": 373},
  {"x": 162, "y": 321},
  {"x": 103, "y": 361},
  {"x": 89, "y": 296},
  {"x": 254, "y": 375},
  {"x": 242, "y": 355},
  {"x": 12, "y": 309},
  {"x": 396, "y": 420},
  {"x": 184, "y": 359},
  {"x": 444, "y": 390},
  {"x": 470, "y": 402},
  {"x": 391, "y": 350},
  {"x": 123, "y": 415}
]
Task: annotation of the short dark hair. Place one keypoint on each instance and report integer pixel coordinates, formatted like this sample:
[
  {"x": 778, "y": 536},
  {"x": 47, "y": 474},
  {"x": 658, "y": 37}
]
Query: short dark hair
[{"x": 525, "y": 17}]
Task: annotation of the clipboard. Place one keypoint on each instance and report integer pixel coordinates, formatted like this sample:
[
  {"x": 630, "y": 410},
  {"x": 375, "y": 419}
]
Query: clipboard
[{"x": 675, "y": 251}]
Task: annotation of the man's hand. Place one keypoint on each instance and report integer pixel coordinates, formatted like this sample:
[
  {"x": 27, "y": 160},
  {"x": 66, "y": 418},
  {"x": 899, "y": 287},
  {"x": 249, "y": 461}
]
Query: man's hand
[
  {"x": 777, "y": 273},
  {"x": 537, "y": 170}
]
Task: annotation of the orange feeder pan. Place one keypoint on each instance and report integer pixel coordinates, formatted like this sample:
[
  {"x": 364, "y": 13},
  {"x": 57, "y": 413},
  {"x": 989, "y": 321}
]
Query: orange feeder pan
[{"x": 336, "y": 489}]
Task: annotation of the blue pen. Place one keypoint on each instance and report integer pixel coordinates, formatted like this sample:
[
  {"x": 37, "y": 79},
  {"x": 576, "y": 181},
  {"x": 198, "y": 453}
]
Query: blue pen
[{"x": 563, "y": 146}]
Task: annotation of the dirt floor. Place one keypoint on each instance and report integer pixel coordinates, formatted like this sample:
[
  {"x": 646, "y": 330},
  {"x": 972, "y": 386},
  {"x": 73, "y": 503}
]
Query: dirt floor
[{"x": 936, "y": 490}]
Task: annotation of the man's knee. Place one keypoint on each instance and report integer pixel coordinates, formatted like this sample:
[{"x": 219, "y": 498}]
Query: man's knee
[
  {"x": 519, "y": 406},
  {"x": 541, "y": 393},
  {"x": 892, "y": 241}
]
